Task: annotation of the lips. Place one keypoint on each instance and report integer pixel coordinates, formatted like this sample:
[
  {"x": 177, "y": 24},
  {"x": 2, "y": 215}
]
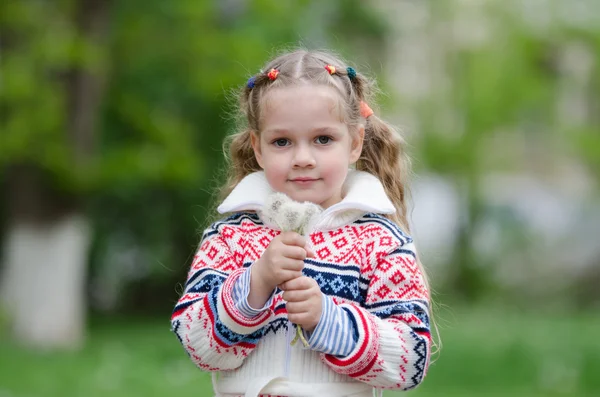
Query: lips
[{"x": 303, "y": 179}]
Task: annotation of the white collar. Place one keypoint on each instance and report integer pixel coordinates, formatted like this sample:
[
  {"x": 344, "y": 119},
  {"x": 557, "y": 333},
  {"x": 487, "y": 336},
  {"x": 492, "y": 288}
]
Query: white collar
[{"x": 363, "y": 193}]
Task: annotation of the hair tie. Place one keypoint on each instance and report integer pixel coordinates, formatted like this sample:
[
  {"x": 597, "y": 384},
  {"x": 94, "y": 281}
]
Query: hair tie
[
  {"x": 365, "y": 110},
  {"x": 251, "y": 82},
  {"x": 351, "y": 73},
  {"x": 330, "y": 69},
  {"x": 273, "y": 73}
]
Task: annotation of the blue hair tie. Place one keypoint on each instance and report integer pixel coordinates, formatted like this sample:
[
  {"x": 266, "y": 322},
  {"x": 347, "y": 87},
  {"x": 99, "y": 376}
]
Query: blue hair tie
[
  {"x": 351, "y": 73},
  {"x": 251, "y": 81}
]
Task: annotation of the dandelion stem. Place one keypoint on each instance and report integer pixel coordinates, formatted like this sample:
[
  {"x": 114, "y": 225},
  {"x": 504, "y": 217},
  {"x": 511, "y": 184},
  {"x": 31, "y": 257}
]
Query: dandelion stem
[{"x": 299, "y": 335}]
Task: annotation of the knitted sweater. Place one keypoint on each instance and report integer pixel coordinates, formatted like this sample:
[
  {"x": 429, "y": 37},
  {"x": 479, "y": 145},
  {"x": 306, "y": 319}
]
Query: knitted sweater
[{"x": 374, "y": 330}]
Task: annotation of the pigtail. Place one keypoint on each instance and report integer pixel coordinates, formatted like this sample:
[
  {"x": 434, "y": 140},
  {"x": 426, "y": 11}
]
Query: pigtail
[
  {"x": 241, "y": 160},
  {"x": 361, "y": 86},
  {"x": 384, "y": 156},
  {"x": 383, "y": 152}
]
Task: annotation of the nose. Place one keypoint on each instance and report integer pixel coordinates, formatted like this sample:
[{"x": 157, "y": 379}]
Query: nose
[{"x": 303, "y": 157}]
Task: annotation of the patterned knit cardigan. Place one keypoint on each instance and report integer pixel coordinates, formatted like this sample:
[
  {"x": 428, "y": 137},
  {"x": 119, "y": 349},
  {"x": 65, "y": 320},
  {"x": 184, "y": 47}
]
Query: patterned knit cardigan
[{"x": 367, "y": 267}]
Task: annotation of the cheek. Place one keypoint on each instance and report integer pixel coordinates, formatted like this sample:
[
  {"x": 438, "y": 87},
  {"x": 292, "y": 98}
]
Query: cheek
[
  {"x": 275, "y": 171},
  {"x": 336, "y": 166}
]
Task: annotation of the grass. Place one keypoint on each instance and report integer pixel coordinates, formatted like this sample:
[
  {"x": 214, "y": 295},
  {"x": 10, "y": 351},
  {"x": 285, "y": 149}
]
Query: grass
[
  {"x": 485, "y": 353},
  {"x": 511, "y": 353}
]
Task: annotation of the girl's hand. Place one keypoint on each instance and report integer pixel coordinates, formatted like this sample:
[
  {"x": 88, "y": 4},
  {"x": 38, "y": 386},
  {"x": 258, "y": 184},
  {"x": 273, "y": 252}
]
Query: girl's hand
[
  {"x": 304, "y": 302},
  {"x": 283, "y": 260}
]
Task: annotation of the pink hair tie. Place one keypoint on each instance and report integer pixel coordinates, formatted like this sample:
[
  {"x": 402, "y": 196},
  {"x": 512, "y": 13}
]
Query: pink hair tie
[{"x": 365, "y": 110}]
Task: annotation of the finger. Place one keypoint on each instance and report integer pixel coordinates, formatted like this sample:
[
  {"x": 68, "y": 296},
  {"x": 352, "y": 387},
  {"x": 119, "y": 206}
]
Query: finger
[
  {"x": 296, "y": 295},
  {"x": 297, "y": 307},
  {"x": 287, "y": 276},
  {"x": 289, "y": 285},
  {"x": 294, "y": 252},
  {"x": 309, "y": 252},
  {"x": 293, "y": 238},
  {"x": 300, "y": 283},
  {"x": 300, "y": 318},
  {"x": 294, "y": 265},
  {"x": 295, "y": 318}
]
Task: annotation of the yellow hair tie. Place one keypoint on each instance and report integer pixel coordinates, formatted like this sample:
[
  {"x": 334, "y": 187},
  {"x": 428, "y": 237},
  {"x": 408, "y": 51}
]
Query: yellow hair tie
[{"x": 330, "y": 69}]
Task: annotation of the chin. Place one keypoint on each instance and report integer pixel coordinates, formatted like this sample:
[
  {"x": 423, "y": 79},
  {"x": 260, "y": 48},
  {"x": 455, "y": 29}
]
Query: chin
[{"x": 306, "y": 197}]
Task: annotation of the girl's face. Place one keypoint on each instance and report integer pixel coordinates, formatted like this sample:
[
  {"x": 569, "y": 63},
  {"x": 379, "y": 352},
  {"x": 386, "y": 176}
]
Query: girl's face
[{"x": 304, "y": 147}]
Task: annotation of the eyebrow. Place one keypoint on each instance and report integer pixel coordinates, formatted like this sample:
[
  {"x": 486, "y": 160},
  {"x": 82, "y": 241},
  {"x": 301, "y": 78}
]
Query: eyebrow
[
  {"x": 277, "y": 131},
  {"x": 325, "y": 130},
  {"x": 320, "y": 130}
]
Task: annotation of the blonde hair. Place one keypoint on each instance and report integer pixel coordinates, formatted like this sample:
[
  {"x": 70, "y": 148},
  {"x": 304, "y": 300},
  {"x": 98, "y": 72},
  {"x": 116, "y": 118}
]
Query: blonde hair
[{"x": 383, "y": 153}]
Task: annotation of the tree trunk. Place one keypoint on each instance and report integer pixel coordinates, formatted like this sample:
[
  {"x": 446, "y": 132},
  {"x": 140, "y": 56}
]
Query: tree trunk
[
  {"x": 468, "y": 278},
  {"x": 45, "y": 247},
  {"x": 48, "y": 236}
]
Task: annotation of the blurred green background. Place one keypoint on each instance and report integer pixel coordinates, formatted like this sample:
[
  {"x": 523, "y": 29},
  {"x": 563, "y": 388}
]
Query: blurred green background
[{"x": 112, "y": 116}]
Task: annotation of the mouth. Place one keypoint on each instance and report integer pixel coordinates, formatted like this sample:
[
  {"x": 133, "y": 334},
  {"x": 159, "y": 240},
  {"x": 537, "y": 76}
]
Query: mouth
[{"x": 304, "y": 180}]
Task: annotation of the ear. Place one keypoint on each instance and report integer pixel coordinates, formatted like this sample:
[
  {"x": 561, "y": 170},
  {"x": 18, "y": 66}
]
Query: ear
[
  {"x": 255, "y": 142},
  {"x": 357, "y": 144}
]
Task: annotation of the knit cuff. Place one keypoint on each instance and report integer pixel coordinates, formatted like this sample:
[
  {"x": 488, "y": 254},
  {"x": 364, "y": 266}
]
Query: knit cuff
[
  {"x": 334, "y": 333},
  {"x": 362, "y": 358},
  {"x": 241, "y": 290},
  {"x": 229, "y": 314}
]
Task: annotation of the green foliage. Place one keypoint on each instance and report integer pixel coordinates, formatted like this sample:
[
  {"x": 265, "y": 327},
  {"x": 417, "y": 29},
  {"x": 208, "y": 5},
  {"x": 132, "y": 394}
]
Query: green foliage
[
  {"x": 33, "y": 105},
  {"x": 586, "y": 145},
  {"x": 500, "y": 85},
  {"x": 168, "y": 72},
  {"x": 171, "y": 101},
  {"x": 496, "y": 109},
  {"x": 169, "y": 67}
]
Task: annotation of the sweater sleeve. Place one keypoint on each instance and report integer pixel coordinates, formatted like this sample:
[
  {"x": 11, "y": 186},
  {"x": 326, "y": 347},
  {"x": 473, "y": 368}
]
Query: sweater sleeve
[
  {"x": 206, "y": 319},
  {"x": 394, "y": 341}
]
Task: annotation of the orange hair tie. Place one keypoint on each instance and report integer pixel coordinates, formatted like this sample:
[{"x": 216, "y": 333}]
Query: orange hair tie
[
  {"x": 330, "y": 69},
  {"x": 273, "y": 73},
  {"x": 365, "y": 110}
]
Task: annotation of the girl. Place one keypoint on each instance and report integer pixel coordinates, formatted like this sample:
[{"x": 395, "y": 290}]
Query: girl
[{"x": 354, "y": 285}]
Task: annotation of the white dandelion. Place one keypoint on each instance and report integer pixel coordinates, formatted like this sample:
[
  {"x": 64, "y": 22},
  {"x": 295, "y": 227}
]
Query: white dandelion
[{"x": 290, "y": 215}]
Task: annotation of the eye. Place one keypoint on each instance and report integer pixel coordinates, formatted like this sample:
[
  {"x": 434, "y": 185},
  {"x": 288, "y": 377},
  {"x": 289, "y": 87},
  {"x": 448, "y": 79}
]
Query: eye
[
  {"x": 281, "y": 142},
  {"x": 323, "y": 140}
]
